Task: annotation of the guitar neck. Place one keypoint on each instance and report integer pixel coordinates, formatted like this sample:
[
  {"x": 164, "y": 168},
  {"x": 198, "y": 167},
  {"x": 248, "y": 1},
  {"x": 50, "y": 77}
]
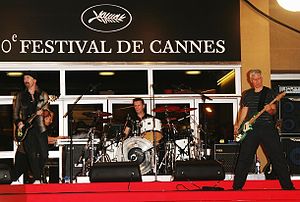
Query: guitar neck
[
  {"x": 253, "y": 119},
  {"x": 32, "y": 117}
]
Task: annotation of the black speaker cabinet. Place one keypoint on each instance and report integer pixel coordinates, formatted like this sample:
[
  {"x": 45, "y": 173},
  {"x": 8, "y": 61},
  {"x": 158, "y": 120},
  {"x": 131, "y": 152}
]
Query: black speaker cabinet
[
  {"x": 78, "y": 150},
  {"x": 5, "y": 174},
  {"x": 227, "y": 155},
  {"x": 115, "y": 172},
  {"x": 289, "y": 113},
  {"x": 291, "y": 148},
  {"x": 198, "y": 170}
]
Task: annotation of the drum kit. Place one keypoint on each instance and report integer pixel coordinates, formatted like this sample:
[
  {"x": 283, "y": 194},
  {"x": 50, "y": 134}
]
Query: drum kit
[{"x": 139, "y": 147}]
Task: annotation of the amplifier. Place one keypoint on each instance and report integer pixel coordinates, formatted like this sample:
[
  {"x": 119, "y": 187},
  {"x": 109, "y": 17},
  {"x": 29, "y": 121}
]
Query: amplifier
[
  {"x": 291, "y": 149},
  {"x": 227, "y": 155},
  {"x": 290, "y": 89}
]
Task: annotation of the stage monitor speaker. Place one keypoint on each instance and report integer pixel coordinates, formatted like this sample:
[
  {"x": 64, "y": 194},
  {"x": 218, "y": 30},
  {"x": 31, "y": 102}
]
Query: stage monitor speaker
[
  {"x": 5, "y": 174},
  {"x": 198, "y": 170},
  {"x": 290, "y": 115},
  {"x": 227, "y": 155},
  {"x": 115, "y": 172}
]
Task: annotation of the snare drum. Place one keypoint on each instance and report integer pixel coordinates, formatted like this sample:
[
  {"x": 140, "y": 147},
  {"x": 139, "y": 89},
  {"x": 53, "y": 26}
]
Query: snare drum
[{"x": 149, "y": 126}]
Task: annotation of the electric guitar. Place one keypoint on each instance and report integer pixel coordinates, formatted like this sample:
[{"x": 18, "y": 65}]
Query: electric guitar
[
  {"x": 22, "y": 132},
  {"x": 248, "y": 125}
]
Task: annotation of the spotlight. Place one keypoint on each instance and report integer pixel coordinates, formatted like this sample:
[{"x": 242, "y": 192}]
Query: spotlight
[{"x": 290, "y": 5}]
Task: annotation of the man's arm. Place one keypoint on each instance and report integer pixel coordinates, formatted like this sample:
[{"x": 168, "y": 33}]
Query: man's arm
[{"x": 271, "y": 109}]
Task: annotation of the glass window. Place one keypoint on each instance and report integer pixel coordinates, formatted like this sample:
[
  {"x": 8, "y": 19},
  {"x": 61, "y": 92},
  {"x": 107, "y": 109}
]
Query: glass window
[
  {"x": 194, "y": 81},
  {"x": 47, "y": 80},
  {"x": 86, "y": 116},
  {"x": 213, "y": 126},
  {"x": 175, "y": 119},
  {"x": 6, "y": 128},
  {"x": 54, "y": 127},
  {"x": 106, "y": 83}
]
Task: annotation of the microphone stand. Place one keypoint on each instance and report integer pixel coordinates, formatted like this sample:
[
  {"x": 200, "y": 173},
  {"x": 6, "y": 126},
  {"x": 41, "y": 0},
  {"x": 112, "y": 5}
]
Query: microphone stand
[
  {"x": 71, "y": 121},
  {"x": 152, "y": 99}
]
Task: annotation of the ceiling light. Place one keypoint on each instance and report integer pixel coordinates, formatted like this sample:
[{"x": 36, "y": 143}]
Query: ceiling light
[
  {"x": 106, "y": 73},
  {"x": 14, "y": 74},
  {"x": 290, "y": 5},
  {"x": 208, "y": 109},
  {"x": 193, "y": 72}
]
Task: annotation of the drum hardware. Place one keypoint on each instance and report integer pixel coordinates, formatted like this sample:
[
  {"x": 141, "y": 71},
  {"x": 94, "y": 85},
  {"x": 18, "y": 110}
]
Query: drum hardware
[
  {"x": 88, "y": 162},
  {"x": 139, "y": 150},
  {"x": 97, "y": 113},
  {"x": 184, "y": 150},
  {"x": 169, "y": 158},
  {"x": 167, "y": 108},
  {"x": 186, "y": 109},
  {"x": 103, "y": 157}
]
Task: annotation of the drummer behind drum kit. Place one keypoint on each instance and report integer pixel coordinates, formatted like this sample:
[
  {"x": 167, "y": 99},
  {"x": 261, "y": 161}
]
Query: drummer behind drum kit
[{"x": 139, "y": 147}]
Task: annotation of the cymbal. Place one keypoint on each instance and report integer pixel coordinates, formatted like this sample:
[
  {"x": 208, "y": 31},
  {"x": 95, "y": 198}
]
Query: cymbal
[
  {"x": 166, "y": 108},
  {"x": 186, "y": 109},
  {"x": 122, "y": 108},
  {"x": 104, "y": 120},
  {"x": 96, "y": 114}
]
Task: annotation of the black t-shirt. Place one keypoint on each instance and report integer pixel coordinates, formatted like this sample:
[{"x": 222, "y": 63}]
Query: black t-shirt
[
  {"x": 133, "y": 122},
  {"x": 250, "y": 99}
]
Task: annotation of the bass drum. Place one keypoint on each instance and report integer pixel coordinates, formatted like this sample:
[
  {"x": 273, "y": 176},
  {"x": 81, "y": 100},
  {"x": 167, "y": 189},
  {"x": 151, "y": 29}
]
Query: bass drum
[{"x": 137, "y": 149}]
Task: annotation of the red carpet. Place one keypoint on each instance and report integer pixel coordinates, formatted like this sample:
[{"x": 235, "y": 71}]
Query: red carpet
[{"x": 254, "y": 190}]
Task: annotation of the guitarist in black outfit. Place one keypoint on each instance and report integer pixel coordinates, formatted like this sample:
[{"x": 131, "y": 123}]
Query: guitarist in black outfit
[
  {"x": 28, "y": 160},
  {"x": 264, "y": 132}
]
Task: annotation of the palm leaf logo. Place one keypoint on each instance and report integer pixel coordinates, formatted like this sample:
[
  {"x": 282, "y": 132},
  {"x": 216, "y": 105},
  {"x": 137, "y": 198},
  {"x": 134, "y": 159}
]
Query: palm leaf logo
[{"x": 107, "y": 17}]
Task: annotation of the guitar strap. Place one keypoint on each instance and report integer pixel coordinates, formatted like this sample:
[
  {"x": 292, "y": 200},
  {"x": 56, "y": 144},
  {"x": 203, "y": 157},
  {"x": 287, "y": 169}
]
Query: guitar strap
[{"x": 262, "y": 99}]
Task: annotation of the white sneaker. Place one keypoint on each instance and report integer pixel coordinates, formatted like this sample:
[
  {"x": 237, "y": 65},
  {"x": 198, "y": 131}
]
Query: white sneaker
[
  {"x": 37, "y": 182},
  {"x": 15, "y": 182}
]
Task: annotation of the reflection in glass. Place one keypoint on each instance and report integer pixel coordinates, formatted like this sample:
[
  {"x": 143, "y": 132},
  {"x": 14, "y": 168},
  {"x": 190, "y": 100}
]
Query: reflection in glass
[
  {"x": 214, "y": 126},
  {"x": 175, "y": 120},
  {"x": 6, "y": 128},
  {"x": 85, "y": 116},
  {"x": 47, "y": 80},
  {"x": 206, "y": 81},
  {"x": 121, "y": 83}
]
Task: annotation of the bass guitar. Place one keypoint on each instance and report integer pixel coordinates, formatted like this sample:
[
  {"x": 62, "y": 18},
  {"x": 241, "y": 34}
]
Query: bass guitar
[
  {"x": 22, "y": 132},
  {"x": 247, "y": 126}
]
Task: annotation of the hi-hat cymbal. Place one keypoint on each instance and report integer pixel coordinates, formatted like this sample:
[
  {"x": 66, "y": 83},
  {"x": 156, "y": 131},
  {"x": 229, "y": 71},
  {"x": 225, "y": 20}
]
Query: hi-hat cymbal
[
  {"x": 186, "y": 109},
  {"x": 96, "y": 114},
  {"x": 167, "y": 108}
]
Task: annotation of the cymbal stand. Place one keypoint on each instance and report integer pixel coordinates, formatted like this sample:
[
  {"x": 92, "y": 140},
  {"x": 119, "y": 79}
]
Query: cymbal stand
[
  {"x": 136, "y": 128},
  {"x": 169, "y": 157},
  {"x": 198, "y": 146},
  {"x": 88, "y": 162},
  {"x": 104, "y": 157}
]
